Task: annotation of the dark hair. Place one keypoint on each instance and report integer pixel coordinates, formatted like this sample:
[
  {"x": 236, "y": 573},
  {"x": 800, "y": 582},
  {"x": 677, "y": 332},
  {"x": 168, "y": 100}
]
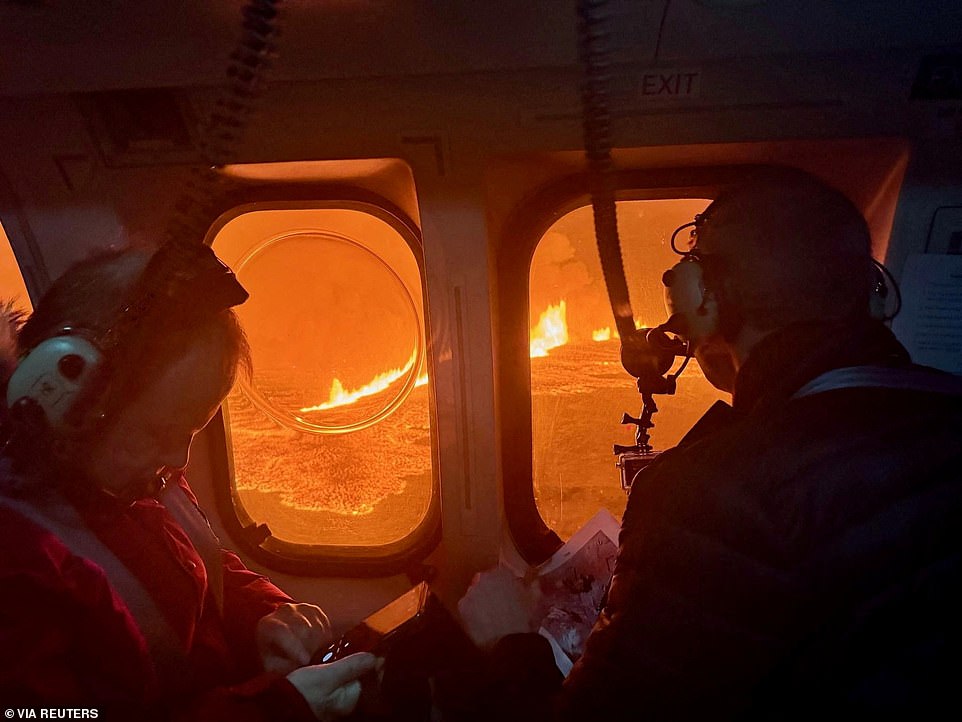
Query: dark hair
[
  {"x": 783, "y": 248},
  {"x": 91, "y": 296}
]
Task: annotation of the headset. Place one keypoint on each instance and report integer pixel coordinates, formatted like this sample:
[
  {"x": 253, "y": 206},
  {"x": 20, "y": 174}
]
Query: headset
[
  {"x": 51, "y": 376},
  {"x": 60, "y": 380},
  {"x": 693, "y": 309}
]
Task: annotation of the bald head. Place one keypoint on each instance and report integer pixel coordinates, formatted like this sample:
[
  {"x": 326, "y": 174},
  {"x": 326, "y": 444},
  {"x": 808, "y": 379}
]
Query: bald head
[{"x": 784, "y": 248}]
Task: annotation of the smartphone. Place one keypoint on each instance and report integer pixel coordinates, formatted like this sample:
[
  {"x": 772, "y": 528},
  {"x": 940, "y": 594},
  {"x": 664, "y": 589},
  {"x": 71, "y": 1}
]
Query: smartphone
[{"x": 399, "y": 619}]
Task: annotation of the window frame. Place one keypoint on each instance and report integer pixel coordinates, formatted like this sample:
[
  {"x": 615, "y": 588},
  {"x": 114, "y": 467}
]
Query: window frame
[
  {"x": 396, "y": 557},
  {"x": 23, "y": 244},
  {"x": 534, "y": 540}
]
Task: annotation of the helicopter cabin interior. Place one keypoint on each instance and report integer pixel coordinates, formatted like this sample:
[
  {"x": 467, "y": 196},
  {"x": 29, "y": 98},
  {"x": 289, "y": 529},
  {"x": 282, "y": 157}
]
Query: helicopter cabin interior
[{"x": 402, "y": 188}]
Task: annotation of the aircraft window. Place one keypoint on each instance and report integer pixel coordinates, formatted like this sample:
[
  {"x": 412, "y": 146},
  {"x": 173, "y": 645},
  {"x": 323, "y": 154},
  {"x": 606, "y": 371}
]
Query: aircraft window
[
  {"x": 331, "y": 437},
  {"x": 12, "y": 288},
  {"x": 579, "y": 389}
]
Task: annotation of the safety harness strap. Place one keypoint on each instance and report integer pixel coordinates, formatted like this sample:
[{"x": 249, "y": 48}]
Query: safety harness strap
[
  {"x": 911, "y": 378},
  {"x": 55, "y": 514},
  {"x": 193, "y": 521}
]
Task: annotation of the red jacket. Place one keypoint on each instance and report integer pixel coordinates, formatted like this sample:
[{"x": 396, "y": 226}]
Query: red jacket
[{"x": 67, "y": 639}]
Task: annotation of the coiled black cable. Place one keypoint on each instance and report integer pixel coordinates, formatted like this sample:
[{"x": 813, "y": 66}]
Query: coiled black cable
[
  {"x": 647, "y": 363},
  {"x": 222, "y": 133},
  {"x": 594, "y": 36}
]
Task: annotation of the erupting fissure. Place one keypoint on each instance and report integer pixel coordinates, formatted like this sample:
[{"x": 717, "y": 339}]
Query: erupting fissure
[
  {"x": 551, "y": 331},
  {"x": 340, "y": 396}
]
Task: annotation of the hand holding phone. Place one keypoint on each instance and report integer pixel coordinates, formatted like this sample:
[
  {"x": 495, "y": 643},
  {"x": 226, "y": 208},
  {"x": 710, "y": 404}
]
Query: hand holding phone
[
  {"x": 288, "y": 636},
  {"x": 378, "y": 632},
  {"x": 333, "y": 690}
]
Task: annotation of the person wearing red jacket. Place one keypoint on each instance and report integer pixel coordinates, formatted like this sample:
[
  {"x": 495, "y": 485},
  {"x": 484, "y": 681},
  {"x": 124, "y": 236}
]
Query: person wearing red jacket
[{"x": 116, "y": 595}]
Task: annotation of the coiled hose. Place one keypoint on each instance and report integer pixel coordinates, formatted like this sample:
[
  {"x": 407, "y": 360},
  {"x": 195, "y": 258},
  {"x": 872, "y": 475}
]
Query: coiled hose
[
  {"x": 222, "y": 133},
  {"x": 594, "y": 37},
  {"x": 641, "y": 359}
]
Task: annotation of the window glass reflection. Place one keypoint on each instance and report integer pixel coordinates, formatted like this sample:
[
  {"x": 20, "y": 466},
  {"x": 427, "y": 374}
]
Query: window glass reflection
[{"x": 331, "y": 438}]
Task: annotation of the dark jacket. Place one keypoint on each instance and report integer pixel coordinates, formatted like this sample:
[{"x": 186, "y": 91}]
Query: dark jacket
[{"x": 791, "y": 558}]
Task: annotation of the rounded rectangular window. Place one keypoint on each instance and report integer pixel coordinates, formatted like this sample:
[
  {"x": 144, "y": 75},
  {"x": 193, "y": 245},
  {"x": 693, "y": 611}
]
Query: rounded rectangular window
[
  {"x": 331, "y": 435},
  {"x": 579, "y": 389}
]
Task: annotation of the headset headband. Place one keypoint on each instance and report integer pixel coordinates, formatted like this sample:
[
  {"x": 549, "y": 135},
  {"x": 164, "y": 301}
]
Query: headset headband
[
  {"x": 59, "y": 378},
  {"x": 180, "y": 276}
]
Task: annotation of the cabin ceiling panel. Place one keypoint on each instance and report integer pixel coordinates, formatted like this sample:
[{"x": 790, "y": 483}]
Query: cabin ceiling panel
[
  {"x": 708, "y": 29},
  {"x": 67, "y": 46},
  {"x": 64, "y": 46},
  {"x": 460, "y": 36}
]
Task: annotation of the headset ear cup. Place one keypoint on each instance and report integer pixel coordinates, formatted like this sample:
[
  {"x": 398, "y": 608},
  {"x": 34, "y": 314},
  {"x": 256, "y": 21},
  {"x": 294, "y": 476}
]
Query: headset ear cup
[{"x": 58, "y": 376}]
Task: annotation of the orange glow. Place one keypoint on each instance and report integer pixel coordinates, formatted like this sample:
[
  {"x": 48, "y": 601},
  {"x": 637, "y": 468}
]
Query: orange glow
[
  {"x": 12, "y": 287},
  {"x": 580, "y": 392},
  {"x": 342, "y": 397},
  {"x": 551, "y": 331},
  {"x": 324, "y": 305}
]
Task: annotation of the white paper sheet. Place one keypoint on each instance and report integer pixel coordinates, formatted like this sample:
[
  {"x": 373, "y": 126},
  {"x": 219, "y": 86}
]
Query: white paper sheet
[
  {"x": 573, "y": 584},
  {"x": 930, "y": 324}
]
